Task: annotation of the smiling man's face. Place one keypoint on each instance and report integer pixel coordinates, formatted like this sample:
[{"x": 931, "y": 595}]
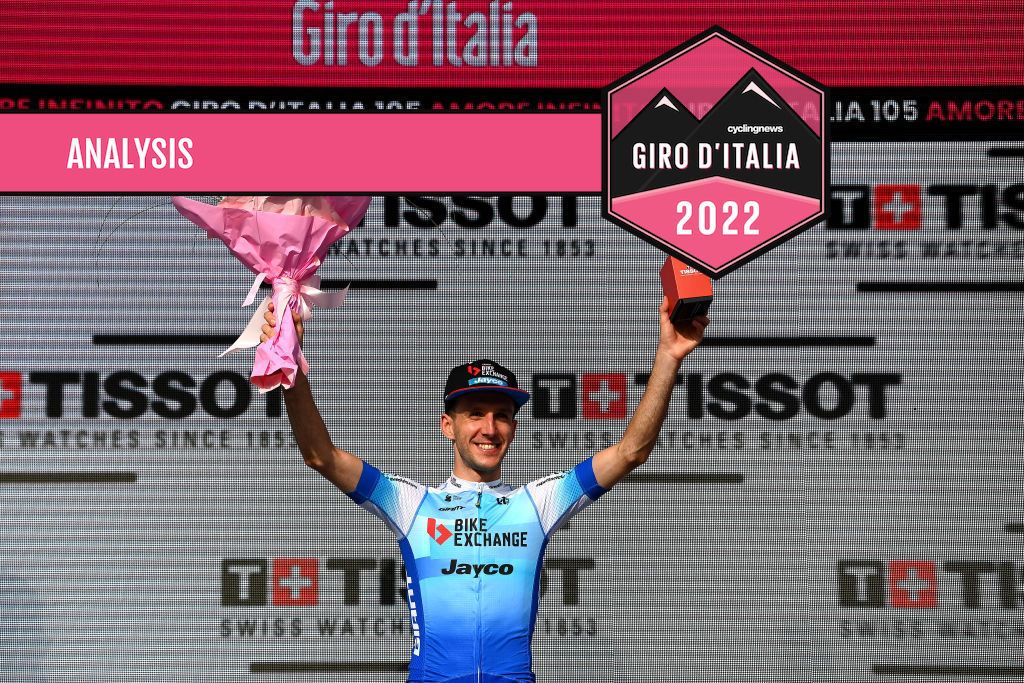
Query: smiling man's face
[{"x": 481, "y": 426}]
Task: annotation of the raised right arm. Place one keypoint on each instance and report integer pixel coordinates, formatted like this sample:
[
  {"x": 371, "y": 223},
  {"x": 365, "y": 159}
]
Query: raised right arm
[{"x": 340, "y": 467}]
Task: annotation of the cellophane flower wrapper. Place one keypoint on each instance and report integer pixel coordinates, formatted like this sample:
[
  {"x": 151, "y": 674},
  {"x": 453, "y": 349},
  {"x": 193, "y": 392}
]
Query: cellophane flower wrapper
[{"x": 283, "y": 240}]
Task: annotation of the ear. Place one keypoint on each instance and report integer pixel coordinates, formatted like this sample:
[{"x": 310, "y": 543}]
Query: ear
[{"x": 446, "y": 427}]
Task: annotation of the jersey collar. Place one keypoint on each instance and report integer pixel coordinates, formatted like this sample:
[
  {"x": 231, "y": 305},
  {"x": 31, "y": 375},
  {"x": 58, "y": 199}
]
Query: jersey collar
[{"x": 457, "y": 484}]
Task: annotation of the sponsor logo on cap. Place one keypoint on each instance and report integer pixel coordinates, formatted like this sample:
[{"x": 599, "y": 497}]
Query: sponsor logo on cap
[
  {"x": 487, "y": 380},
  {"x": 488, "y": 369}
]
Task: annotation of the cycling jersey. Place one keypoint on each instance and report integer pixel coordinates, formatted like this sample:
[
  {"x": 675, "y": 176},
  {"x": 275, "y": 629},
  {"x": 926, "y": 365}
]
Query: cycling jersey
[{"x": 473, "y": 554}]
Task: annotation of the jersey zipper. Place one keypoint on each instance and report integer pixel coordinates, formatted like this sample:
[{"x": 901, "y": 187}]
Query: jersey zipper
[{"x": 479, "y": 587}]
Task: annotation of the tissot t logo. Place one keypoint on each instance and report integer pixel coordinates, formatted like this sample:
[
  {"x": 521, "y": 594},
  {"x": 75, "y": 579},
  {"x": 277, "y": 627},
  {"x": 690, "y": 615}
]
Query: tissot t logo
[
  {"x": 604, "y": 396},
  {"x": 911, "y": 584},
  {"x": 894, "y": 207},
  {"x": 438, "y": 532},
  {"x": 10, "y": 395},
  {"x": 554, "y": 397},
  {"x": 243, "y": 582},
  {"x": 295, "y": 581},
  {"x": 971, "y": 584}
]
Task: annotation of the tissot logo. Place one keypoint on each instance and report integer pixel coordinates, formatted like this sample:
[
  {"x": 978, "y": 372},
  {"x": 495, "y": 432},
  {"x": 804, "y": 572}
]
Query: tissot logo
[
  {"x": 438, "y": 532},
  {"x": 724, "y": 396},
  {"x": 297, "y": 581},
  {"x": 10, "y": 395},
  {"x": 126, "y": 394},
  {"x": 914, "y": 584},
  {"x": 900, "y": 207},
  {"x": 309, "y": 582},
  {"x": 554, "y": 396},
  {"x": 478, "y": 212},
  {"x": 244, "y": 582},
  {"x": 896, "y": 207},
  {"x": 603, "y": 396}
]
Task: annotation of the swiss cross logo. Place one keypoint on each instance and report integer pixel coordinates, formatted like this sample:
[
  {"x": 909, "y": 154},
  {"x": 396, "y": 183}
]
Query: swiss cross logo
[
  {"x": 295, "y": 581},
  {"x": 913, "y": 584},
  {"x": 882, "y": 207},
  {"x": 10, "y": 395},
  {"x": 898, "y": 207},
  {"x": 604, "y": 396},
  {"x": 714, "y": 152},
  {"x": 438, "y": 532}
]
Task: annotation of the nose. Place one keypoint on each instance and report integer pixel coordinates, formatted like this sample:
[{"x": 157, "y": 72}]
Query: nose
[{"x": 489, "y": 425}]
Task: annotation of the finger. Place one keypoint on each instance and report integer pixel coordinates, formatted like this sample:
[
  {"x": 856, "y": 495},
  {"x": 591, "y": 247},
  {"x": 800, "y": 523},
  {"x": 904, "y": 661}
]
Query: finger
[
  {"x": 269, "y": 317},
  {"x": 270, "y": 306},
  {"x": 664, "y": 304},
  {"x": 296, "y": 318},
  {"x": 267, "y": 330}
]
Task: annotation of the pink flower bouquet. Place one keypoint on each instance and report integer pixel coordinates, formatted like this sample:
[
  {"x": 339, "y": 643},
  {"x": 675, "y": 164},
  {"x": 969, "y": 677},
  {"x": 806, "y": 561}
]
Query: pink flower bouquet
[{"x": 284, "y": 241}]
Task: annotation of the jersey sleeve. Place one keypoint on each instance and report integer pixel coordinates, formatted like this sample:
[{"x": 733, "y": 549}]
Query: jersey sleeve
[
  {"x": 393, "y": 499},
  {"x": 561, "y": 495}
]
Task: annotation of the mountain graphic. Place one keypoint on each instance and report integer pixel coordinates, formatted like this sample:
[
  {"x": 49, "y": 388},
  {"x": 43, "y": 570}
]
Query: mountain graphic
[
  {"x": 750, "y": 102},
  {"x": 754, "y": 102},
  {"x": 663, "y": 119}
]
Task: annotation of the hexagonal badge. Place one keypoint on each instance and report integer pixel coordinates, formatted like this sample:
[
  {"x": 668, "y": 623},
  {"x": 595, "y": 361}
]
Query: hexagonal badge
[{"x": 715, "y": 152}]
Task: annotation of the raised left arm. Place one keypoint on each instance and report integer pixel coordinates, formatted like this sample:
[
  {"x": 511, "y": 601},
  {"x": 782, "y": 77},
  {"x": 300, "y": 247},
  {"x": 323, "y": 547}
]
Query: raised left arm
[{"x": 641, "y": 435}]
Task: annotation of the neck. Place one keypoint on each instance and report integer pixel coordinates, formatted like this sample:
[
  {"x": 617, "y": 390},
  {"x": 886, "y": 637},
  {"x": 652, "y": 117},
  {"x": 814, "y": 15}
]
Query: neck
[{"x": 465, "y": 473}]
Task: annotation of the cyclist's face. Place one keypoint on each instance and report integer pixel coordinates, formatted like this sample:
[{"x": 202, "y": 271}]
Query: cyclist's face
[{"x": 481, "y": 426}]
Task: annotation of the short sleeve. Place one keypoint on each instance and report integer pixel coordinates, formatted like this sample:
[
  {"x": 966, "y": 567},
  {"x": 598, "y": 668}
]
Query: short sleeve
[
  {"x": 394, "y": 499},
  {"x": 561, "y": 495}
]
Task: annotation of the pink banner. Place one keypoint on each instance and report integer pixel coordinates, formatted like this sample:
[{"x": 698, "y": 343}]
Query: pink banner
[{"x": 301, "y": 154}]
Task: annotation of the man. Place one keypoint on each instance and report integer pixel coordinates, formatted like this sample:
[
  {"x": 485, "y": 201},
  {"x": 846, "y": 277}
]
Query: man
[{"x": 473, "y": 547}]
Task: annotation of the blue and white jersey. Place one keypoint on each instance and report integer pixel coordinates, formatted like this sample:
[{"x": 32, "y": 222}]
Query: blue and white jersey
[{"x": 473, "y": 554}]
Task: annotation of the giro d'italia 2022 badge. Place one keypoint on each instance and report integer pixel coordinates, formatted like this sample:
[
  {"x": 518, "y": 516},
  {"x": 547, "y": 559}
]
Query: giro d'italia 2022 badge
[{"x": 714, "y": 152}]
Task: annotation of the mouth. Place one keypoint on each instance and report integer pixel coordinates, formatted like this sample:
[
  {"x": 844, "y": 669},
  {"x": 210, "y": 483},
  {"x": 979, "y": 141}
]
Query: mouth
[{"x": 486, "y": 447}]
